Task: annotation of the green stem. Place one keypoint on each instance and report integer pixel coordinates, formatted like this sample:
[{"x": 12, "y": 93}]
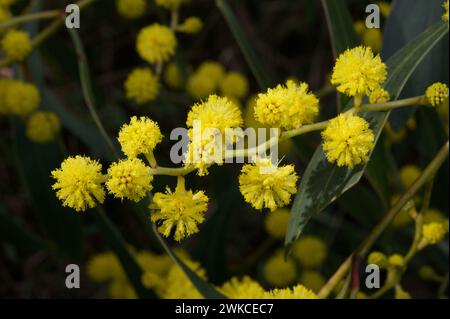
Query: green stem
[
  {"x": 17, "y": 21},
  {"x": 383, "y": 107}
]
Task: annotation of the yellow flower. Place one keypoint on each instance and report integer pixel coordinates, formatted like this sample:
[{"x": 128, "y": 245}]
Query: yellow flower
[
  {"x": 156, "y": 43},
  {"x": 408, "y": 174},
  {"x": 437, "y": 94},
  {"x": 4, "y": 88},
  {"x": 276, "y": 223},
  {"x": 178, "y": 286},
  {"x": 393, "y": 135},
  {"x": 121, "y": 289},
  {"x": 139, "y": 137},
  {"x": 433, "y": 233},
  {"x": 5, "y": 15},
  {"x": 42, "y": 127},
  {"x": 7, "y": 3},
  {"x": 348, "y": 140},
  {"x": 200, "y": 86},
  {"x": 130, "y": 179},
  {"x": 131, "y": 9},
  {"x": 385, "y": 8},
  {"x": 244, "y": 288},
  {"x": 279, "y": 272},
  {"x": 181, "y": 211},
  {"x": 234, "y": 84},
  {"x": 142, "y": 86},
  {"x": 297, "y": 292},
  {"x": 405, "y": 216},
  {"x": 373, "y": 38},
  {"x": 172, "y": 76},
  {"x": 434, "y": 216},
  {"x": 379, "y": 95},
  {"x": 445, "y": 15},
  {"x": 287, "y": 107},
  {"x": 359, "y": 27},
  {"x": 22, "y": 98},
  {"x": 311, "y": 251},
  {"x": 171, "y": 4},
  {"x": 191, "y": 25},
  {"x": 312, "y": 279},
  {"x": 264, "y": 185},
  {"x": 105, "y": 266},
  {"x": 377, "y": 258},
  {"x": 79, "y": 183},
  {"x": 358, "y": 72},
  {"x": 16, "y": 45},
  {"x": 213, "y": 70},
  {"x": 396, "y": 260}
]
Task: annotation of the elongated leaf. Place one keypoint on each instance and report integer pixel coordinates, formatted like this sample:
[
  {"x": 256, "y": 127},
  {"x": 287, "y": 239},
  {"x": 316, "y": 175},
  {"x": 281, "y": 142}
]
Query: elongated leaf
[
  {"x": 203, "y": 287},
  {"x": 323, "y": 182},
  {"x": 249, "y": 53}
]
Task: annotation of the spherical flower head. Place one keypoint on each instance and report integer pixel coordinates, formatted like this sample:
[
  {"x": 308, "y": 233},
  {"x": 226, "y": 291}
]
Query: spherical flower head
[
  {"x": 359, "y": 27},
  {"x": 348, "y": 140},
  {"x": 79, "y": 183},
  {"x": 434, "y": 216},
  {"x": 245, "y": 288},
  {"x": 377, "y": 258},
  {"x": 265, "y": 185},
  {"x": 171, "y": 4},
  {"x": 43, "y": 127},
  {"x": 180, "y": 211},
  {"x": 409, "y": 174},
  {"x": 156, "y": 43},
  {"x": 142, "y": 86},
  {"x": 445, "y": 15},
  {"x": 191, "y": 25},
  {"x": 178, "y": 286},
  {"x": 433, "y": 233},
  {"x": 7, "y": 3},
  {"x": 396, "y": 260},
  {"x": 121, "y": 289},
  {"x": 279, "y": 272},
  {"x": 130, "y": 179},
  {"x": 140, "y": 136},
  {"x": 437, "y": 94},
  {"x": 270, "y": 108},
  {"x": 131, "y": 9},
  {"x": 385, "y": 8},
  {"x": 276, "y": 223},
  {"x": 200, "y": 86},
  {"x": 172, "y": 76},
  {"x": 358, "y": 72},
  {"x": 212, "y": 70},
  {"x": 16, "y": 45},
  {"x": 373, "y": 38},
  {"x": 379, "y": 95},
  {"x": 406, "y": 214},
  {"x": 234, "y": 84},
  {"x": 105, "y": 266},
  {"x": 312, "y": 279},
  {"x": 22, "y": 98},
  {"x": 297, "y": 292},
  {"x": 310, "y": 251}
]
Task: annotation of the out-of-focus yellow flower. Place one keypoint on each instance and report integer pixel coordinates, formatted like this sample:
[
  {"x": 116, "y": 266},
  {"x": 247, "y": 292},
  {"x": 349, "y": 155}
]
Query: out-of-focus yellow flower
[
  {"x": 244, "y": 288},
  {"x": 79, "y": 183},
  {"x": 394, "y": 136},
  {"x": 199, "y": 86},
  {"x": 373, "y": 38},
  {"x": 276, "y": 223},
  {"x": 178, "y": 286},
  {"x": 104, "y": 267},
  {"x": 171, "y": 4},
  {"x": 213, "y": 70},
  {"x": 7, "y": 3},
  {"x": 359, "y": 27},
  {"x": 312, "y": 279},
  {"x": 437, "y": 94},
  {"x": 396, "y": 260},
  {"x": 377, "y": 258},
  {"x": 131, "y": 9},
  {"x": 16, "y": 45},
  {"x": 405, "y": 215},
  {"x": 142, "y": 86},
  {"x": 385, "y": 8},
  {"x": 42, "y": 127},
  {"x": 311, "y": 251},
  {"x": 379, "y": 95},
  {"x": 191, "y": 25},
  {"x": 5, "y": 15},
  {"x": 434, "y": 216},
  {"x": 172, "y": 76},
  {"x": 408, "y": 174},
  {"x": 279, "y": 272},
  {"x": 4, "y": 87},
  {"x": 445, "y": 15},
  {"x": 22, "y": 98},
  {"x": 156, "y": 43},
  {"x": 234, "y": 84},
  {"x": 348, "y": 140}
]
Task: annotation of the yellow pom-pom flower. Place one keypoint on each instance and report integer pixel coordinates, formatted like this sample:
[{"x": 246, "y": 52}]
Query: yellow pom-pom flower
[
  {"x": 358, "y": 72},
  {"x": 171, "y": 4},
  {"x": 178, "y": 286},
  {"x": 42, "y": 127},
  {"x": 105, "y": 266},
  {"x": 142, "y": 86},
  {"x": 406, "y": 214},
  {"x": 279, "y": 272},
  {"x": 377, "y": 258},
  {"x": 373, "y": 38},
  {"x": 234, "y": 84},
  {"x": 130, "y": 179},
  {"x": 379, "y": 95},
  {"x": 276, "y": 223},
  {"x": 79, "y": 183},
  {"x": 156, "y": 43},
  {"x": 213, "y": 70},
  {"x": 434, "y": 216},
  {"x": 191, "y": 25},
  {"x": 172, "y": 76},
  {"x": 310, "y": 251},
  {"x": 265, "y": 185},
  {"x": 16, "y": 45},
  {"x": 396, "y": 260},
  {"x": 200, "y": 86},
  {"x": 245, "y": 288},
  {"x": 131, "y": 9},
  {"x": 22, "y": 98},
  {"x": 437, "y": 94},
  {"x": 297, "y": 292},
  {"x": 180, "y": 211},
  {"x": 408, "y": 174},
  {"x": 140, "y": 136},
  {"x": 348, "y": 140},
  {"x": 312, "y": 279},
  {"x": 433, "y": 233}
]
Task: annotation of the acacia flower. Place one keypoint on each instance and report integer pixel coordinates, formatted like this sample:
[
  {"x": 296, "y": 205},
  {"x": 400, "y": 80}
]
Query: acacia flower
[
  {"x": 377, "y": 258},
  {"x": 16, "y": 45},
  {"x": 297, "y": 292},
  {"x": 358, "y": 72},
  {"x": 130, "y": 179},
  {"x": 180, "y": 211},
  {"x": 245, "y": 288},
  {"x": 156, "y": 43},
  {"x": 264, "y": 185},
  {"x": 433, "y": 233},
  {"x": 279, "y": 272},
  {"x": 142, "y": 86},
  {"x": 172, "y": 76},
  {"x": 171, "y": 4},
  {"x": 396, "y": 260},
  {"x": 312, "y": 279},
  {"x": 379, "y": 95},
  {"x": 437, "y": 94},
  {"x": 200, "y": 86},
  {"x": 348, "y": 140},
  {"x": 21, "y": 98},
  {"x": 445, "y": 15},
  {"x": 310, "y": 251},
  {"x": 191, "y": 25},
  {"x": 42, "y": 127},
  {"x": 139, "y": 137},
  {"x": 276, "y": 223},
  {"x": 409, "y": 174},
  {"x": 131, "y": 9},
  {"x": 79, "y": 183},
  {"x": 212, "y": 70},
  {"x": 234, "y": 84}
]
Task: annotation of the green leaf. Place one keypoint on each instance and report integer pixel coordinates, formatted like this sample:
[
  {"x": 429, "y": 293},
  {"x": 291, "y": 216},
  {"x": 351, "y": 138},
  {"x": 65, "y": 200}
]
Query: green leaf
[
  {"x": 12, "y": 231},
  {"x": 323, "y": 182},
  {"x": 250, "y": 55},
  {"x": 203, "y": 287}
]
